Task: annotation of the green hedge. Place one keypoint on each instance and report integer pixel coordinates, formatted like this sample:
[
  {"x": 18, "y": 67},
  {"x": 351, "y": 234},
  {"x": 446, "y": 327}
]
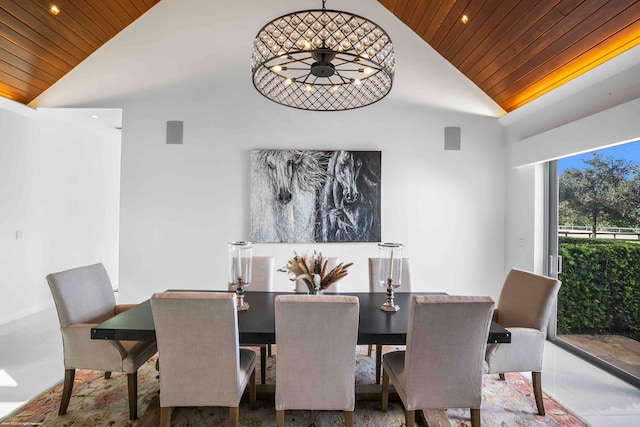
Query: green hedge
[{"x": 600, "y": 292}]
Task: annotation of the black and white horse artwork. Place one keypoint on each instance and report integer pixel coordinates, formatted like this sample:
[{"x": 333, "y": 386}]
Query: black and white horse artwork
[
  {"x": 350, "y": 200},
  {"x": 315, "y": 196},
  {"x": 284, "y": 191}
]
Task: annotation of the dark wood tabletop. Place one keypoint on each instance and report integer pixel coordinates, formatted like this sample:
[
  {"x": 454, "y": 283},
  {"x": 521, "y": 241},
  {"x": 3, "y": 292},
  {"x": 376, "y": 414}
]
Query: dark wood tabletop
[{"x": 257, "y": 325}]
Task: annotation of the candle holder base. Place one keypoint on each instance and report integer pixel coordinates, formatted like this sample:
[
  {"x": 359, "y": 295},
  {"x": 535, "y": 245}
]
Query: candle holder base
[
  {"x": 241, "y": 304},
  {"x": 390, "y": 307},
  {"x": 389, "y": 304}
]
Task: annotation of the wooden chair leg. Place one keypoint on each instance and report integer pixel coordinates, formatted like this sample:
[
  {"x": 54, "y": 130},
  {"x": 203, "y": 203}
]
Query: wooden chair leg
[
  {"x": 378, "y": 362},
  {"x": 422, "y": 418},
  {"x": 411, "y": 418},
  {"x": 69, "y": 376},
  {"x": 269, "y": 350},
  {"x": 348, "y": 418},
  {"x": 370, "y": 350},
  {"x": 107, "y": 375},
  {"x": 501, "y": 377},
  {"x": 165, "y": 416},
  {"x": 536, "y": 379},
  {"x": 475, "y": 417},
  {"x": 252, "y": 390},
  {"x": 132, "y": 385},
  {"x": 263, "y": 364},
  {"x": 234, "y": 415},
  {"x": 280, "y": 417},
  {"x": 385, "y": 392}
]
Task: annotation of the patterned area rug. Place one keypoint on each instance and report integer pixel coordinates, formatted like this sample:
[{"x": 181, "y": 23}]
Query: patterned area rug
[{"x": 99, "y": 402}]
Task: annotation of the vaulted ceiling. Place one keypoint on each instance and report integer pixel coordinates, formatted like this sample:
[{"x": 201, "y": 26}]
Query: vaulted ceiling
[
  {"x": 38, "y": 47},
  {"x": 515, "y": 51}
]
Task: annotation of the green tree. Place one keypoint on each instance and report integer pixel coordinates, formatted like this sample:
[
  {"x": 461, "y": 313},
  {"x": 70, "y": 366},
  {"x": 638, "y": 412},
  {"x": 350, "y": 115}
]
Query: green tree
[
  {"x": 629, "y": 203},
  {"x": 599, "y": 192}
]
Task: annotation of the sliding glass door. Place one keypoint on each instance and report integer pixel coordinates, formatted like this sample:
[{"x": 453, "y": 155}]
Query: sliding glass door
[{"x": 593, "y": 247}]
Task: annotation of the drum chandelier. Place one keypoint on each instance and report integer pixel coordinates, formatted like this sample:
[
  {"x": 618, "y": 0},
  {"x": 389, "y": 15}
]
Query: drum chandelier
[{"x": 323, "y": 60}]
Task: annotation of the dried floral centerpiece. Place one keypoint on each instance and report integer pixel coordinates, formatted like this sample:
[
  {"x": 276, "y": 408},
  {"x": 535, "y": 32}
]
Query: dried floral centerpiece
[{"x": 312, "y": 270}]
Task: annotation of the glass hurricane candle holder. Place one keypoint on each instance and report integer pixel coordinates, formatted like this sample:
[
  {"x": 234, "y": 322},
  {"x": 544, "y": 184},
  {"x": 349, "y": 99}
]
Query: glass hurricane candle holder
[
  {"x": 240, "y": 256},
  {"x": 390, "y": 272}
]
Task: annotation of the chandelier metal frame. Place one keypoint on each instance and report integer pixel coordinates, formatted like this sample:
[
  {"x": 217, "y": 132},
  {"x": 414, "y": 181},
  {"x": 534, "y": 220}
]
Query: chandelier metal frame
[{"x": 323, "y": 60}]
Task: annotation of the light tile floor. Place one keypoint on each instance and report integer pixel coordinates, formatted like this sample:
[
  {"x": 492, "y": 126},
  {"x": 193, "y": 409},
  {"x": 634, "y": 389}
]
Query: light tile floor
[{"x": 31, "y": 361}]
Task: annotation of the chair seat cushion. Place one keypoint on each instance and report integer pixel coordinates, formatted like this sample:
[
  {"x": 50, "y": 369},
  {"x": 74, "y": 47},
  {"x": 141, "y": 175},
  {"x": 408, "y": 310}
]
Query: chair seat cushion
[
  {"x": 138, "y": 352},
  {"x": 524, "y": 353},
  {"x": 393, "y": 364},
  {"x": 248, "y": 361}
]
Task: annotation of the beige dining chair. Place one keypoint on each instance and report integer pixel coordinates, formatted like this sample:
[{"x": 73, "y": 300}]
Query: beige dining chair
[
  {"x": 263, "y": 268},
  {"x": 316, "y": 337},
  {"x": 262, "y": 271},
  {"x": 201, "y": 361},
  {"x": 442, "y": 365},
  {"x": 262, "y": 275},
  {"x": 524, "y": 308},
  {"x": 375, "y": 286},
  {"x": 301, "y": 287},
  {"x": 84, "y": 298}
]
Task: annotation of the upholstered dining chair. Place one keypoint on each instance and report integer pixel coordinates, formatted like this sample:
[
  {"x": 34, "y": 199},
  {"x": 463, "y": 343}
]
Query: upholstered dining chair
[
  {"x": 524, "y": 307},
  {"x": 442, "y": 365},
  {"x": 332, "y": 262},
  {"x": 316, "y": 337},
  {"x": 262, "y": 271},
  {"x": 201, "y": 361},
  {"x": 84, "y": 297},
  {"x": 374, "y": 286},
  {"x": 263, "y": 268}
]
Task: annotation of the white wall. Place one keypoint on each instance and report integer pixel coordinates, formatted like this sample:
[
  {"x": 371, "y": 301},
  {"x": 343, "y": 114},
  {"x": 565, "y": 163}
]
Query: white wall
[
  {"x": 181, "y": 204},
  {"x": 59, "y": 186}
]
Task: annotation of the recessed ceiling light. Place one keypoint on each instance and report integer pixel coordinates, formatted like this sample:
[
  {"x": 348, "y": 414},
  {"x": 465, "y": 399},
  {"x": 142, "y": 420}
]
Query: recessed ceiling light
[
  {"x": 464, "y": 19},
  {"x": 54, "y": 10},
  {"x": 94, "y": 117}
]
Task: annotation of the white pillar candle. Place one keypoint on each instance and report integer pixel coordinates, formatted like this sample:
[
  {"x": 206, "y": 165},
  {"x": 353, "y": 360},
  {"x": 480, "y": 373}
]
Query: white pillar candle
[{"x": 391, "y": 265}]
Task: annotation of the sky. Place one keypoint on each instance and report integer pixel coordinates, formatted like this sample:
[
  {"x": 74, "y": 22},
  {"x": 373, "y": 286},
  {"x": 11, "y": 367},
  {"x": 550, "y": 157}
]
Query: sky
[{"x": 629, "y": 152}]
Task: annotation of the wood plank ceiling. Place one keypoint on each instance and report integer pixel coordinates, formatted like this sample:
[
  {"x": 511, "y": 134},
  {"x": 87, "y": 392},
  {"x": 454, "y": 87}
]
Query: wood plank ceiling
[
  {"x": 513, "y": 50},
  {"x": 37, "y": 47},
  {"x": 516, "y": 51}
]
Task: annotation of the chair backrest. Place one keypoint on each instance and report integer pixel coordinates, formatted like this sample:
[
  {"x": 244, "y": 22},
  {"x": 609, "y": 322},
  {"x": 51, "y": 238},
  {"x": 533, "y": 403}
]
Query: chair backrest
[
  {"x": 374, "y": 276},
  {"x": 82, "y": 295},
  {"x": 316, "y": 338},
  {"x": 262, "y": 275},
  {"x": 526, "y": 300},
  {"x": 197, "y": 336},
  {"x": 332, "y": 262},
  {"x": 262, "y": 271},
  {"x": 446, "y": 342}
]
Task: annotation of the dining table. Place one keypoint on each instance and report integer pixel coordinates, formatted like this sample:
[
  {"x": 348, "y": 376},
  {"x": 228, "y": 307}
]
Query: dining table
[{"x": 256, "y": 326}]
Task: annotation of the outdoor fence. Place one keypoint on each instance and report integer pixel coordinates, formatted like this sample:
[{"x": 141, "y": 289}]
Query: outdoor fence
[{"x": 622, "y": 233}]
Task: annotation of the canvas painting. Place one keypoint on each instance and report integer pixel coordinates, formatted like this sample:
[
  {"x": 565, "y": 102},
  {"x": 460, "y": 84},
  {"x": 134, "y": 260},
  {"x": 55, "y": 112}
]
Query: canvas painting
[{"x": 301, "y": 196}]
